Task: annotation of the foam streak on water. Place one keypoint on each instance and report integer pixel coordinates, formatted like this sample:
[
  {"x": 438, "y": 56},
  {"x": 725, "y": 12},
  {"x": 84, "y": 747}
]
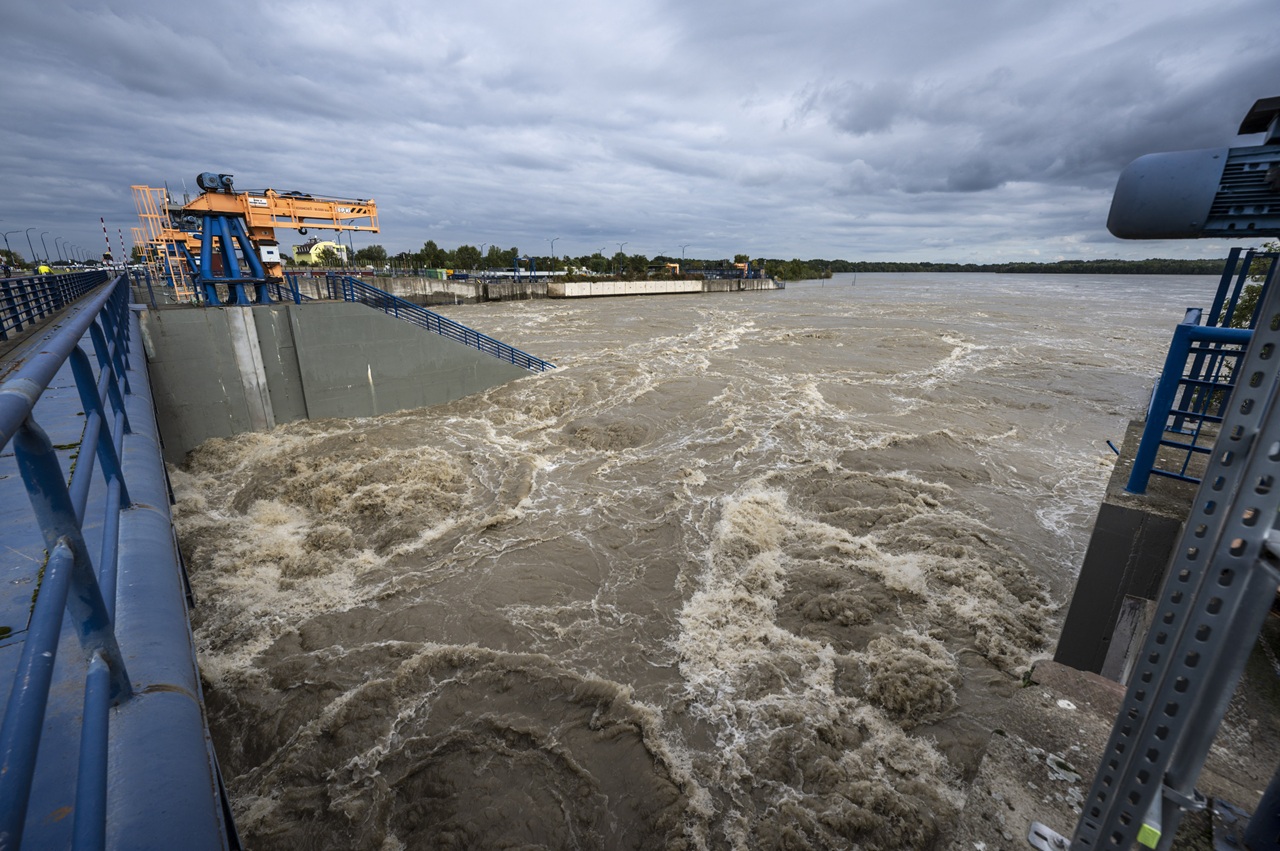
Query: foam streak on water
[{"x": 746, "y": 571}]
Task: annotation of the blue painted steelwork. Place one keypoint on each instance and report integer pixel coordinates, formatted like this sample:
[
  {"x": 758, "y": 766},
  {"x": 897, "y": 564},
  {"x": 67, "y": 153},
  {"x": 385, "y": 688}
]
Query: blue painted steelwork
[
  {"x": 1198, "y": 376},
  {"x": 142, "y": 276},
  {"x": 27, "y": 300},
  {"x": 289, "y": 290},
  {"x": 1193, "y": 391},
  {"x": 94, "y": 754},
  {"x": 219, "y": 264},
  {"x": 533, "y": 267},
  {"x": 356, "y": 290}
]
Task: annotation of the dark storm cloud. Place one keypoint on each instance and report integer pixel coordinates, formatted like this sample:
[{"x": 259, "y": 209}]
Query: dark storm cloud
[{"x": 802, "y": 129}]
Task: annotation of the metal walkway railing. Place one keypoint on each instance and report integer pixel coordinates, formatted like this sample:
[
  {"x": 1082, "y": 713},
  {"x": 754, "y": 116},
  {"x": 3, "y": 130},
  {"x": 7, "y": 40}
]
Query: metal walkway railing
[
  {"x": 139, "y": 732},
  {"x": 1200, "y": 371},
  {"x": 24, "y": 301},
  {"x": 356, "y": 290}
]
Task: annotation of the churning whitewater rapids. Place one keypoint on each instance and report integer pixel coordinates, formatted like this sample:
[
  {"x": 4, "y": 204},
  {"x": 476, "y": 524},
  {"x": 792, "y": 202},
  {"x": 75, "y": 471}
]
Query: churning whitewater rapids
[{"x": 747, "y": 571}]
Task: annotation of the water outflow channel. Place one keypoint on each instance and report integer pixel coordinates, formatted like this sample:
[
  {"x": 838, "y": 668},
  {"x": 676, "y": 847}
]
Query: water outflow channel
[{"x": 745, "y": 571}]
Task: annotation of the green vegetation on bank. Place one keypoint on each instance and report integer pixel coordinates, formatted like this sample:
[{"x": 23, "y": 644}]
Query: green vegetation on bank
[
  {"x": 1152, "y": 266},
  {"x": 1252, "y": 292},
  {"x": 468, "y": 257}
]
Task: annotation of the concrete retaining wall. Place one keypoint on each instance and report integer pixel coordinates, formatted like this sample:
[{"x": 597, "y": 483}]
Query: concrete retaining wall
[
  {"x": 734, "y": 285},
  {"x": 218, "y": 372},
  {"x": 428, "y": 291},
  {"x": 590, "y": 289}
]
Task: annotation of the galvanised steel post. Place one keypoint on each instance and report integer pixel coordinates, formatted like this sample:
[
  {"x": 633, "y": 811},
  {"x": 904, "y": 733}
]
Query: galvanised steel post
[
  {"x": 43, "y": 234},
  {"x": 34, "y": 256}
]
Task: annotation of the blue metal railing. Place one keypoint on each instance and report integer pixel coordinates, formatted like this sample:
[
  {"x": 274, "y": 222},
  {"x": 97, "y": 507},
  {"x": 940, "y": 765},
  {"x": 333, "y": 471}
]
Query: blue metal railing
[
  {"x": 150, "y": 702},
  {"x": 1189, "y": 401},
  {"x": 1192, "y": 393},
  {"x": 27, "y": 300},
  {"x": 288, "y": 291},
  {"x": 356, "y": 290}
]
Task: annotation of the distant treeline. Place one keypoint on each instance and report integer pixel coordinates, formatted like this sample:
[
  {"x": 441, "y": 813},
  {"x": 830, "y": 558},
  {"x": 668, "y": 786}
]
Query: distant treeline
[
  {"x": 1153, "y": 266},
  {"x": 638, "y": 266}
]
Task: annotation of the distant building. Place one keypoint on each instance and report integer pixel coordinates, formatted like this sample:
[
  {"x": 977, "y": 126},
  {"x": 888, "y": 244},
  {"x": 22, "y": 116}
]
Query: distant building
[{"x": 309, "y": 252}]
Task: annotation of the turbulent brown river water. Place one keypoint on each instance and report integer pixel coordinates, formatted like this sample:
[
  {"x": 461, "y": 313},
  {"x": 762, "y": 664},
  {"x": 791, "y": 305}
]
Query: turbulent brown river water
[{"x": 746, "y": 571}]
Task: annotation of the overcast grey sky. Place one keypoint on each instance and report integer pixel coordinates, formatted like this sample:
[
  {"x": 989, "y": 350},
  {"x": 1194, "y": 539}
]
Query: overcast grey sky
[{"x": 944, "y": 130}]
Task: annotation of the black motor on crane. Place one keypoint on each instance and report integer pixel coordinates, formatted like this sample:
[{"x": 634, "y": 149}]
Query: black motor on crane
[{"x": 210, "y": 182}]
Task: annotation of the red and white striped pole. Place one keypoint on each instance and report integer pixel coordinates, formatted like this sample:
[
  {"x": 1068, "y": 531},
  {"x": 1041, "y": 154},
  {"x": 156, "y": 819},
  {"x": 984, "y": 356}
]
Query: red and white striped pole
[
  {"x": 124, "y": 257},
  {"x": 105, "y": 237}
]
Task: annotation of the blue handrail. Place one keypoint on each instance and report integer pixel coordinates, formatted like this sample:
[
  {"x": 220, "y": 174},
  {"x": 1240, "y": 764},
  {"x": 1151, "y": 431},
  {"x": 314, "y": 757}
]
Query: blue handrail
[
  {"x": 1199, "y": 375},
  {"x": 26, "y": 300},
  {"x": 288, "y": 291},
  {"x": 69, "y": 582},
  {"x": 1192, "y": 393},
  {"x": 131, "y": 523},
  {"x": 356, "y": 290}
]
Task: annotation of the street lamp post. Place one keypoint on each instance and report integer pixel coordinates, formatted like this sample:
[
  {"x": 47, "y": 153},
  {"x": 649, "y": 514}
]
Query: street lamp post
[
  {"x": 615, "y": 265},
  {"x": 33, "y": 249},
  {"x": 553, "y": 253},
  {"x": 682, "y": 248},
  {"x": 45, "y": 244},
  {"x": 58, "y": 249},
  {"x": 6, "y": 242}
]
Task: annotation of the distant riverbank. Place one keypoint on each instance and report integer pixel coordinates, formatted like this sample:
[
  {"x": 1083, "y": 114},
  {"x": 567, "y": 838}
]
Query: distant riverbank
[{"x": 1153, "y": 266}]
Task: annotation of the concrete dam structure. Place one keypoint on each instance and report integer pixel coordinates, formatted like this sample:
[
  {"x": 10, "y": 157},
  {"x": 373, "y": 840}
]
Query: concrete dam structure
[{"x": 223, "y": 371}]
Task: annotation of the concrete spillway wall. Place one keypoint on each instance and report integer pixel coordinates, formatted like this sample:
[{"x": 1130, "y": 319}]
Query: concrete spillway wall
[{"x": 217, "y": 372}]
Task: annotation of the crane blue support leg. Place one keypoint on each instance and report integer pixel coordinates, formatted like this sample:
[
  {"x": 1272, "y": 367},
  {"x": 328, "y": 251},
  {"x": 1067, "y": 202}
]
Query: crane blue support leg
[{"x": 220, "y": 236}]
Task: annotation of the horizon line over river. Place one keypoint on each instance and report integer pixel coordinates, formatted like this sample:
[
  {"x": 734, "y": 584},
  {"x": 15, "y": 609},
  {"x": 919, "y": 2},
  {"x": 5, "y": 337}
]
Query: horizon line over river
[{"x": 748, "y": 570}]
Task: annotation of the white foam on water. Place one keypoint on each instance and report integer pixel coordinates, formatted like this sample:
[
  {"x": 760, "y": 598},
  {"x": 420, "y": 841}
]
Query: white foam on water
[{"x": 751, "y": 680}]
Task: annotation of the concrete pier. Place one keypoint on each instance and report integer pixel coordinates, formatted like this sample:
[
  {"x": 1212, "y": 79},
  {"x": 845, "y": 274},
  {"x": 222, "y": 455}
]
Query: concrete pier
[{"x": 1124, "y": 566}]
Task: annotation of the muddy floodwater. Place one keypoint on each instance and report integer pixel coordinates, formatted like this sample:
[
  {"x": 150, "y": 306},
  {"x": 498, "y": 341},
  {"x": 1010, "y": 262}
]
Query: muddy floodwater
[{"x": 745, "y": 571}]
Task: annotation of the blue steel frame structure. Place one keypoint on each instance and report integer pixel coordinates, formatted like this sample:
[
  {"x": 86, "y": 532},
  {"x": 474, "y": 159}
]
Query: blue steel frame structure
[
  {"x": 130, "y": 764},
  {"x": 230, "y": 233},
  {"x": 1191, "y": 397}
]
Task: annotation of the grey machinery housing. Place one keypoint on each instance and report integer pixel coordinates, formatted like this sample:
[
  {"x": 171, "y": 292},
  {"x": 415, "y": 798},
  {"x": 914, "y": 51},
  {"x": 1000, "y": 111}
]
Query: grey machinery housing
[{"x": 1216, "y": 192}]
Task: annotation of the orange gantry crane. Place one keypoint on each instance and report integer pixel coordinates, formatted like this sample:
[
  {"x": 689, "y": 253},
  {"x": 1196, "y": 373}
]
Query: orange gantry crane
[{"x": 234, "y": 233}]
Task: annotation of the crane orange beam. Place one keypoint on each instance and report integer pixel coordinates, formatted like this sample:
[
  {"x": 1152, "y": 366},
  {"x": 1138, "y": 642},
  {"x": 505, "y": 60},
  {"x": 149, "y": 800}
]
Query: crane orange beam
[
  {"x": 263, "y": 212},
  {"x": 271, "y": 209}
]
